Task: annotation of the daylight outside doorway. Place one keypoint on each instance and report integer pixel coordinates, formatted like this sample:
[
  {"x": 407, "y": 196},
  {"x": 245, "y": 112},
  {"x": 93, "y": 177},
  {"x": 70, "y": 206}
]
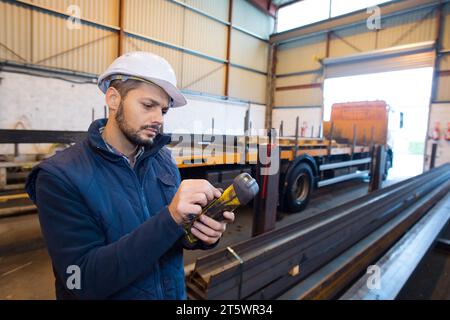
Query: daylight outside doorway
[{"x": 407, "y": 92}]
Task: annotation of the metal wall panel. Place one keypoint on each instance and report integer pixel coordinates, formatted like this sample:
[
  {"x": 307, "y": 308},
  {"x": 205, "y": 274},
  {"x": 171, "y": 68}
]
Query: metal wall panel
[
  {"x": 103, "y": 11},
  {"x": 215, "y": 8},
  {"x": 40, "y": 37},
  {"x": 174, "y": 57},
  {"x": 301, "y": 55},
  {"x": 88, "y": 49},
  {"x": 247, "y": 85},
  {"x": 249, "y": 51},
  {"x": 193, "y": 73},
  {"x": 444, "y": 63},
  {"x": 352, "y": 40},
  {"x": 446, "y": 28},
  {"x": 417, "y": 26},
  {"x": 300, "y": 79},
  {"x": 443, "y": 80},
  {"x": 44, "y": 39},
  {"x": 159, "y": 19},
  {"x": 299, "y": 97},
  {"x": 168, "y": 22},
  {"x": 203, "y": 75},
  {"x": 249, "y": 18},
  {"x": 443, "y": 88},
  {"x": 304, "y": 97},
  {"x": 15, "y": 32},
  {"x": 204, "y": 35}
]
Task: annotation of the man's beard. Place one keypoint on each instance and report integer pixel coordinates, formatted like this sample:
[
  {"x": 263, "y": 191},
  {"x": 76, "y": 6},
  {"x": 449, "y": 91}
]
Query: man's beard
[{"x": 129, "y": 133}]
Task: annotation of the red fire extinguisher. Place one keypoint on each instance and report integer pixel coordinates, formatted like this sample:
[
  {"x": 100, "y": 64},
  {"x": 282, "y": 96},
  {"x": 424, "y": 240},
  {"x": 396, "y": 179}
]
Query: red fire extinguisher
[{"x": 303, "y": 129}]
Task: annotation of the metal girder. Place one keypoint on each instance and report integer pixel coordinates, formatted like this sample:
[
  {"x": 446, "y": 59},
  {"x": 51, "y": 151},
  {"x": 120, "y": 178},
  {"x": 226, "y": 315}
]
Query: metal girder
[
  {"x": 399, "y": 263},
  {"x": 47, "y": 136},
  {"x": 274, "y": 262},
  {"x": 335, "y": 276},
  {"x": 40, "y": 136},
  {"x": 283, "y": 3}
]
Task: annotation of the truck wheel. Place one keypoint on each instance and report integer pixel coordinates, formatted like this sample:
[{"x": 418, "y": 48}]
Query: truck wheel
[{"x": 299, "y": 188}]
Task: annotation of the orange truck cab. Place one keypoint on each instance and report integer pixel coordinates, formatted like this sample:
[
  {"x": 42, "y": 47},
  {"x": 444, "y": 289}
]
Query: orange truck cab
[{"x": 365, "y": 123}]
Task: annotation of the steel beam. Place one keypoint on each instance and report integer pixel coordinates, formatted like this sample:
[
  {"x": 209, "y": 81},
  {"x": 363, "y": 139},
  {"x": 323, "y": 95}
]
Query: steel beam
[
  {"x": 344, "y": 164},
  {"x": 270, "y": 260},
  {"x": 399, "y": 263},
  {"x": 327, "y": 182},
  {"x": 40, "y": 136}
]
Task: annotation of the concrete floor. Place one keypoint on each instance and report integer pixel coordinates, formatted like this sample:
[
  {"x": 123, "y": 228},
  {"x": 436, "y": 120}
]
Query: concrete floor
[
  {"x": 27, "y": 275},
  {"x": 25, "y": 267}
]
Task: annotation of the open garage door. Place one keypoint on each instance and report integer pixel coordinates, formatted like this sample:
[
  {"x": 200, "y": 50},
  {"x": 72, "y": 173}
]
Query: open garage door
[
  {"x": 413, "y": 56},
  {"x": 400, "y": 76}
]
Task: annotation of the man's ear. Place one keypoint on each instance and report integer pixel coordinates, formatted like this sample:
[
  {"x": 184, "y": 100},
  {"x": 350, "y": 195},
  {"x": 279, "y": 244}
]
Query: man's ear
[{"x": 113, "y": 98}]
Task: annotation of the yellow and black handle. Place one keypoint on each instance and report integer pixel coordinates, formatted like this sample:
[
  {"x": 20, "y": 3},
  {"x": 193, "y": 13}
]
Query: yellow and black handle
[{"x": 243, "y": 189}]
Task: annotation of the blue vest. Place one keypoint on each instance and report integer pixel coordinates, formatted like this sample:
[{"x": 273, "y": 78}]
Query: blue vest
[{"x": 110, "y": 221}]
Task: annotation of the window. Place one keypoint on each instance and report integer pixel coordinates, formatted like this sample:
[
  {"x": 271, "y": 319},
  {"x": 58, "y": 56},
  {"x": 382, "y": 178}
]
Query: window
[
  {"x": 306, "y": 12},
  {"x": 340, "y": 7},
  {"x": 302, "y": 13}
]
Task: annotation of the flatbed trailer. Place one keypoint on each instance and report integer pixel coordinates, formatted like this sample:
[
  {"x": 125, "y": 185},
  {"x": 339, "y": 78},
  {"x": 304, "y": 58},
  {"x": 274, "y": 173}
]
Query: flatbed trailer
[{"x": 304, "y": 164}]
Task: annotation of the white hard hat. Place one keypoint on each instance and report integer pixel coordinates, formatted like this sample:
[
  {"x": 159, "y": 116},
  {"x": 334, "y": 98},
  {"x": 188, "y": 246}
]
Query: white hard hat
[{"x": 144, "y": 66}]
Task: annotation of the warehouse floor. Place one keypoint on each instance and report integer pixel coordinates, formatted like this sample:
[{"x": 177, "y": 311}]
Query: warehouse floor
[{"x": 26, "y": 273}]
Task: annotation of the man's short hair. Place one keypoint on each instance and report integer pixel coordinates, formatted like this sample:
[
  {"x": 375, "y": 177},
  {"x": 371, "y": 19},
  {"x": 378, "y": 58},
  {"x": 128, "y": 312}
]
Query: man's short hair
[{"x": 123, "y": 87}]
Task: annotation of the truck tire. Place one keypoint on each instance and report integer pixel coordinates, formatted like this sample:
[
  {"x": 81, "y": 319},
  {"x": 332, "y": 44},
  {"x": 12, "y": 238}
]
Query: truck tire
[{"x": 299, "y": 188}]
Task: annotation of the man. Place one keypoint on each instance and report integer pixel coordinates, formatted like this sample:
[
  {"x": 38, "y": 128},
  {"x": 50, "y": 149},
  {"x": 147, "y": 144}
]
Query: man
[{"x": 112, "y": 207}]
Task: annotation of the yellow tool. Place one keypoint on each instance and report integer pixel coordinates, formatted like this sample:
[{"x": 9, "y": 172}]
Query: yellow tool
[{"x": 243, "y": 189}]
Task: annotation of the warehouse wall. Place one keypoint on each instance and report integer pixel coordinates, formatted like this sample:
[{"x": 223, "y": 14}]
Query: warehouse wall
[
  {"x": 40, "y": 37},
  {"x": 442, "y": 93},
  {"x": 440, "y": 121},
  {"x": 191, "y": 34},
  {"x": 299, "y": 74},
  {"x": 42, "y": 106},
  {"x": 440, "y": 108},
  {"x": 30, "y": 102}
]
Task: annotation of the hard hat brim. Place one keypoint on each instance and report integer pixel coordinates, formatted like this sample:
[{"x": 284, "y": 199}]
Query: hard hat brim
[
  {"x": 178, "y": 98},
  {"x": 172, "y": 91}
]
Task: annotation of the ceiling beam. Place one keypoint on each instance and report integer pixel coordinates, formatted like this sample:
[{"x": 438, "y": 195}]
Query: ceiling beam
[
  {"x": 287, "y": 3},
  {"x": 387, "y": 9},
  {"x": 266, "y": 6}
]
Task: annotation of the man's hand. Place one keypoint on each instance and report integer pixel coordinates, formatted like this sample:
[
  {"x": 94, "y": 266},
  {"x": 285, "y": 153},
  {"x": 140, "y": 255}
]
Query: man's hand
[
  {"x": 191, "y": 196},
  {"x": 209, "y": 230}
]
